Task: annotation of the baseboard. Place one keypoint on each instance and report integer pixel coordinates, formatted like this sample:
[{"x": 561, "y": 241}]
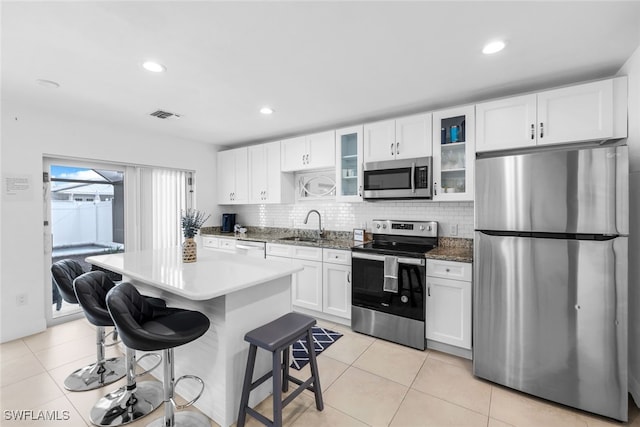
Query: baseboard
[
  {"x": 451, "y": 349},
  {"x": 634, "y": 389}
]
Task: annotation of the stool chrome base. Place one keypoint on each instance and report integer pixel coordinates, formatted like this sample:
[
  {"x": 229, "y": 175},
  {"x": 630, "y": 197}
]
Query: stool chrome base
[
  {"x": 96, "y": 375},
  {"x": 184, "y": 419},
  {"x": 124, "y": 405}
]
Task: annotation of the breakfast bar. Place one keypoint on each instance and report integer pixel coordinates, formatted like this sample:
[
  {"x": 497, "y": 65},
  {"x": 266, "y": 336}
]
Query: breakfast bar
[{"x": 235, "y": 292}]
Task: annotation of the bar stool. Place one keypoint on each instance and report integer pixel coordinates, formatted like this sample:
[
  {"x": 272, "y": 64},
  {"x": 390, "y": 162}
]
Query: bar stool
[
  {"x": 135, "y": 399},
  {"x": 276, "y": 337},
  {"x": 147, "y": 328},
  {"x": 103, "y": 371}
]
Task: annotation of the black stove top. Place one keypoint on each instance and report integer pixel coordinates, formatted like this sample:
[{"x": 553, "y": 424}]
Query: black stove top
[{"x": 387, "y": 247}]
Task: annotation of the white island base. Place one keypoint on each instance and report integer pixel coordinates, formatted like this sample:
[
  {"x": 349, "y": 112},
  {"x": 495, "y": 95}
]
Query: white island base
[{"x": 220, "y": 356}]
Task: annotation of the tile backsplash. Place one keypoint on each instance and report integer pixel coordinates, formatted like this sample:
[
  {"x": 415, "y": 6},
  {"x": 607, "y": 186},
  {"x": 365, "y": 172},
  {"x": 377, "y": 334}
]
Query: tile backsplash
[{"x": 347, "y": 216}]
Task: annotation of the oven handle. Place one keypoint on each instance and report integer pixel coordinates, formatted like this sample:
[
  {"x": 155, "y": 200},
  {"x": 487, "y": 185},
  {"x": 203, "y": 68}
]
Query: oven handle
[{"x": 401, "y": 260}]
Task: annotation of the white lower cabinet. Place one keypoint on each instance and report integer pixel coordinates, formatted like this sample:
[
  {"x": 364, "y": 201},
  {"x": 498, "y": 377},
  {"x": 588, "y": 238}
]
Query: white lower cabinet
[
  {"x": 336, "y": 283},
  {"x": 448, "y": 317},
  {"x": 324, "y": 286},
  {"x": 307, "y": 287}
]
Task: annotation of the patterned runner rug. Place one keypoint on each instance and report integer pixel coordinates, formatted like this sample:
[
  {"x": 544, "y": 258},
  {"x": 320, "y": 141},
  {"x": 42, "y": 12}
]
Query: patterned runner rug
[{"x": 322, "y": 339}]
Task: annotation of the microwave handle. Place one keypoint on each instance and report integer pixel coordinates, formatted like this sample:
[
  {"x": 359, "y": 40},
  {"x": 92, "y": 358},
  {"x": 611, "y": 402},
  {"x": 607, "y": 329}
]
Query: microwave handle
[{"x": 413, "y": 177}]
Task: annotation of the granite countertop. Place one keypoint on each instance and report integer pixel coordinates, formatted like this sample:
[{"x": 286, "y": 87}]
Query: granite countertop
[
  {"x": 452, "y": 249},
  {"x": 449, "y": 248},
  {"x": 332, "y": 240}
]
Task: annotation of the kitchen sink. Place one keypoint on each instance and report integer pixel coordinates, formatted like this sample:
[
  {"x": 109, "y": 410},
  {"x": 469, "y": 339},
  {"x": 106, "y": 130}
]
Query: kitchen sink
[{"x": 302, "y": 239}]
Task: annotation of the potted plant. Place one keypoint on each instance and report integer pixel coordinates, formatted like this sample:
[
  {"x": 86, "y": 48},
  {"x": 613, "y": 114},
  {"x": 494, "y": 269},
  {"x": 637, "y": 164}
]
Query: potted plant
[{"x": 192, "y": 220}]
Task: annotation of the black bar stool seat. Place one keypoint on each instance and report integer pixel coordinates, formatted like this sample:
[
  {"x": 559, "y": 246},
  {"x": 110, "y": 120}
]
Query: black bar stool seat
[
  {"x": 276, "y": 337},
  {"x": 135, "y": 399},
  {"x": 143, "y": 326}
]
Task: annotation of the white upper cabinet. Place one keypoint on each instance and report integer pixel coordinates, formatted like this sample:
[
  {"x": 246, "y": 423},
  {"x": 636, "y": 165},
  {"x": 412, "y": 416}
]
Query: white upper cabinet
[
  {"x": 413, "y": 136},
  {"x": 267, "y": 183},
  {"x": 232, "y": 175},
  {"x": 576, "y": 113},
  {"x": 314, "y": 151},
  {"x": 590, "y": 111},
  {"x": 349, "y": 174},
  {"x": 403, "y": 138},
  {"x": 506, "y": 123},
  {"x": 453, "y": 154}
]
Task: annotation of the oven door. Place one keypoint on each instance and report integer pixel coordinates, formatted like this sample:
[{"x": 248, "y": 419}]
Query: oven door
[
  {"x": 368, "y": 279},
  {"x": 398, "y": 179}
]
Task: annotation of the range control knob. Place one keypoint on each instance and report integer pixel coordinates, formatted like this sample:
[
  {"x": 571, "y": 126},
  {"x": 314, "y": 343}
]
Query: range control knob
[
  {"x": 384, "y": 226},
  {"x": 422, "y": 228},
  {"x": 377, "y": 225}
]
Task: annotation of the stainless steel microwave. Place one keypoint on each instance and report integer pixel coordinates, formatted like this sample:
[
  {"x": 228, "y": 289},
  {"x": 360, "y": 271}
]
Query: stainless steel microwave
[{"x": 398, "y": 179}]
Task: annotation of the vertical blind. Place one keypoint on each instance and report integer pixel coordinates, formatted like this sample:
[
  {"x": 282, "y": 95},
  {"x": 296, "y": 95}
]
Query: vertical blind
[
  {"x": 156, "y": 199},
  {"x": 169, "y": 198}
]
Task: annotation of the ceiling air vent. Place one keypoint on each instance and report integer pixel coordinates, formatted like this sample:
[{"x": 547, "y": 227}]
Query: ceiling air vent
[{"x": 164, "y": 114}]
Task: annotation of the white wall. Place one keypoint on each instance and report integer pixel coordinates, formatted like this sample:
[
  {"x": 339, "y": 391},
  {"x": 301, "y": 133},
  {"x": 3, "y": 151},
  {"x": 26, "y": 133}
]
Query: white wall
[
  {"x": 347, "y": 216},
  {"x": 27, "y": 135},
  {"x": 632, "y": 70}
]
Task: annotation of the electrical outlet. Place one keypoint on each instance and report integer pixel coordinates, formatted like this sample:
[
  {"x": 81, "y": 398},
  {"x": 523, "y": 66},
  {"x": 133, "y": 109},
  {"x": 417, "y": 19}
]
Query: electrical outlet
[
  {"x": 21, "y": 299},
  {"x": 453, "y": 229}
]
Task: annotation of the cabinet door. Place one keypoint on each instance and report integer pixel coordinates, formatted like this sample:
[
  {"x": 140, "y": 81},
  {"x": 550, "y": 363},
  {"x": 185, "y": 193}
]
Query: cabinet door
[
  {"x": 226, "y": 177},
  {"x": 292, "y": 154},
  {"x": 321, "y": 150},
  {"x": 241, "y": 169},
  {"x": 273, "y": 175},
  {"x": 349, "y": 173},
  {"x": 379, "y": 141},
  {"x": 413, "y": 136},
  {"x": 258, "y": 164},
  {"x": 336, "y": 290},
  {"x": 307, "y": 287},
  {"x": 577, "y": 113},
  {"x": 448, "y": 317},
  {"x": 506, "y": 123},
  {"x": 454, "y": 154}
]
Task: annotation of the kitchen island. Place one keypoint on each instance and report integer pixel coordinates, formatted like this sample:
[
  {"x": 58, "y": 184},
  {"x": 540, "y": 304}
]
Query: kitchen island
[{"x": 235, "y": 292}]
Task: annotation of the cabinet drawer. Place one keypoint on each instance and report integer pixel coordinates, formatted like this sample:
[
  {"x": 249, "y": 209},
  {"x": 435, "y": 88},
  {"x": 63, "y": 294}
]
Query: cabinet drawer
[
  {"x": 305, "y": 252},
  {"x": 449, "y": 269},
  {"x": 210, "y": 242},
  {"x": 227, "y": 244},
  {"x": 336, "y": 256},
  {"x": 275, "y": 249}
]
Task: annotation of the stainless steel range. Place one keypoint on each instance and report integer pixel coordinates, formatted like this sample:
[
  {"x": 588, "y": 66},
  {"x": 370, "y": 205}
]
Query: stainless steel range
[{"x": 388, "y": 281}]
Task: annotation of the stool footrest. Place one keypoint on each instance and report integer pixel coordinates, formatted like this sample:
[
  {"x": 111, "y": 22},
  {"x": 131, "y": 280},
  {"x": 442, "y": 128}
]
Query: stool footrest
[
  {"x": 195, "y": 399},
  {"x": 260, "y": 380},
  {"x": 257, "y": 415},
  {"x": 302, "y": 386}
]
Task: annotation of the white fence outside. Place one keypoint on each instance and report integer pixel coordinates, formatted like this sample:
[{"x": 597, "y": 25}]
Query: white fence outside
[{"x": 79, "y": 223}]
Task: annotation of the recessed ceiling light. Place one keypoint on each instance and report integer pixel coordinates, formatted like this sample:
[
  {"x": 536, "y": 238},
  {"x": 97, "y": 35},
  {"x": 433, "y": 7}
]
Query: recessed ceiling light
[
  {"x": 48, "y": 83},
  {"x": 266, "y": 110},
  {"x": 154, "y": 67},
  {"x": 493, "y": 47}
]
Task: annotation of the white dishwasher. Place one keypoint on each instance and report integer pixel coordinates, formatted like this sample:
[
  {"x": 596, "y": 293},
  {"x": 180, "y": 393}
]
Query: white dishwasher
[{"x": 244, "y": 247}]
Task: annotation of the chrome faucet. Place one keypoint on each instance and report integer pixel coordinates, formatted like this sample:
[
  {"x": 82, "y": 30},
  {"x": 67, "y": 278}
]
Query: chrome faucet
[{"x": 320, "y": 230}]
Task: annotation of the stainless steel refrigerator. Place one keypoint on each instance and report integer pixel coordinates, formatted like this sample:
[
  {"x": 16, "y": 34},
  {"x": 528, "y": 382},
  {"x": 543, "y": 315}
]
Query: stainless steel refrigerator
[{"x": 550, "y": 275}]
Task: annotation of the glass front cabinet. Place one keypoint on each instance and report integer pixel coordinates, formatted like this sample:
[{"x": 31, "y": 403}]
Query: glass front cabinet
[
  {"x": 349, "y": 175},
  {"x": 453, "y": 153}
]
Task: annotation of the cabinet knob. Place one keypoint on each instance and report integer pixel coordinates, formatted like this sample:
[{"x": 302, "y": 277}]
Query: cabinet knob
[
  {"x": 397, "y": 148},
  {"x": 533, "y": 131},
  {"x": 541, "y": 130},
  {"x": 447, "y": 270},
  {"x": 392, "y": 149}
]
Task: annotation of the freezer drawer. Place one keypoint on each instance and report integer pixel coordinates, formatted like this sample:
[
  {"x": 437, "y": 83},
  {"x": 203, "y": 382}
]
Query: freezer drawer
[
  {"x": 559, "y": 191},
  {"x": 550, "y": 319}
]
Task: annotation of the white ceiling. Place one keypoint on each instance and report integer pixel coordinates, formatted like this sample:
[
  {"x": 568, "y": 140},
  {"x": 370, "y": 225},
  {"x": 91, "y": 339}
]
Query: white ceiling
[{"x": 320, "y": 65}]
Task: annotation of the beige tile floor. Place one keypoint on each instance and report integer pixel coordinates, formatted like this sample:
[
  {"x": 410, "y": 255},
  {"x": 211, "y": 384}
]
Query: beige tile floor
[{"x": 365, "y": 381}]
